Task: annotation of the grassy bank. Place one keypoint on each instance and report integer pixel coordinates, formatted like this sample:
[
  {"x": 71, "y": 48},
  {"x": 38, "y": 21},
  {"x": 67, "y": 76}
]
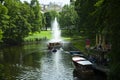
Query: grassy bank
[
  {"x": 76, "y": 39},
  {"x": 78, "y": 42},
  {"x": 38, "y": 36},
  {"x": 42, "y": 35}
]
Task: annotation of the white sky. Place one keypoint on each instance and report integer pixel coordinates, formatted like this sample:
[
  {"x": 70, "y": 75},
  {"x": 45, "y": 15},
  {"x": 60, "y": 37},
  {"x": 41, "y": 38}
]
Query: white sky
[{"x": 61, "y": 2}]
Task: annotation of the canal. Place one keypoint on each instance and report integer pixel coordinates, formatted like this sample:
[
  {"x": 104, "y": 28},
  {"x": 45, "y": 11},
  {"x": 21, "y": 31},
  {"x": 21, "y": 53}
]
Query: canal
[{"x": 35, "y": 62}]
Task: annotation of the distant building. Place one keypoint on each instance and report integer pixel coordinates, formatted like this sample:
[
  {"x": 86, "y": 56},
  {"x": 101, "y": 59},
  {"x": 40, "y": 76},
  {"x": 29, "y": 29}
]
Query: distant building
[
  {"x": 51, "y": 6},
  {"x": 72, "y": 1}
]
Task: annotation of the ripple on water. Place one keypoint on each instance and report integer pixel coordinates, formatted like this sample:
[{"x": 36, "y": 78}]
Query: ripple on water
[{"x": 52, "y": 67}]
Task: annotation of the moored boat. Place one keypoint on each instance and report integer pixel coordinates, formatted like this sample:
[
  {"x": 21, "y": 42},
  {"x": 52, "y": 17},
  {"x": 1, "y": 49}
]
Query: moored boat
[
  {"x": 83, "y": 67},
  {"x": 77, "y": 53},
  {"x": 77, "y": 58}
]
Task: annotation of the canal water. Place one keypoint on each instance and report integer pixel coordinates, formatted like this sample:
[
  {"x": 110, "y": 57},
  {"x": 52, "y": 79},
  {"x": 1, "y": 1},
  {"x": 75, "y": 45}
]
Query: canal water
[{"x": 35, "y": 62}]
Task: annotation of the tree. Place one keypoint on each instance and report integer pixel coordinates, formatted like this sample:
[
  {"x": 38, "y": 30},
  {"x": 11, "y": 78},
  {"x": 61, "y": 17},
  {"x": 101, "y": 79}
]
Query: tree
[
  {"x": 106, "y": 22},
  {"x": 67, "y": 17},
  {"x": 43, "y": 21},
  {"x": 3, "y": 19},
  {"x": 47, "y": 19},
  {"x": 18, "y": 26},
  {"x": 86, "y": 21},
  {"x": 1, "y": 35},
  {"x": 53, "y": 14},
  {"x": 18, "y": 19},
  {"x": 113, "y": 10},
  {"x": 37, "y": 19}
]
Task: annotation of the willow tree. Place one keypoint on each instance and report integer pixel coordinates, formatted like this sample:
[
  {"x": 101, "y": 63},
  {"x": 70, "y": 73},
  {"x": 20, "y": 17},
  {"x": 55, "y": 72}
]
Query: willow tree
[
  {"x": 107, "y": 22},
  {"x": 100, "y": 23}
]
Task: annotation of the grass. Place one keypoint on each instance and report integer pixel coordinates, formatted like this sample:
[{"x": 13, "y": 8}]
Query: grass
[
  {"x": 77, "y": 40},
  {"x": 79, "y": 43},
  {"x": 38, "y": 35},
  {"x": 42, "y": 35}
]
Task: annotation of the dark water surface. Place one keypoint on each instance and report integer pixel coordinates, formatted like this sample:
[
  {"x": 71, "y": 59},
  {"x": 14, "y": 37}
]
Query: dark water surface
[{"x": 35, "y": 62}]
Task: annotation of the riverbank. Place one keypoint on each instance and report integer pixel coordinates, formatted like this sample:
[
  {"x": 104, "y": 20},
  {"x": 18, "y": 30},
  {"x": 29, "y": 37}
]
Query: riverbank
[
  {"x": 37, "y": 36},
  {"x": 40, "y": 36},
  {"x": 99, "y": 59}
]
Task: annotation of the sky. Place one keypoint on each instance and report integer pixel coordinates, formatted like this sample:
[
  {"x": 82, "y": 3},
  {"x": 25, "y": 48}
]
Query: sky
[{"x": 61, "y": 2}]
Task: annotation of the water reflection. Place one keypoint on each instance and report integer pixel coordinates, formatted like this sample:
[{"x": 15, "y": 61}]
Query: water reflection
[
  {"x": 34, "y": 62},
  {"x": 17, "y": 59},
  {"x": 57, "y": 69},
  {"x": 97, "y": 76}
]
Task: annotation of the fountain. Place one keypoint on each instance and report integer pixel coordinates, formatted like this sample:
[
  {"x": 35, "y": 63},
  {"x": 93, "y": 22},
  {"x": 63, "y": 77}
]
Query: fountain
[{"x": 56, "y": 40}]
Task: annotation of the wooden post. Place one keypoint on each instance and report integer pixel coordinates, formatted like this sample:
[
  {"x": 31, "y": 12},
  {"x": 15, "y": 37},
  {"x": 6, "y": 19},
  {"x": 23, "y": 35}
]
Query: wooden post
[
  {"x": 97, "y": 40},
  {"x": 100, "y": 39},
  {"x": 103, "y": 43}
]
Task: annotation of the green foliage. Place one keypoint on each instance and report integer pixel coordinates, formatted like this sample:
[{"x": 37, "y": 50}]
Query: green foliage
[
  {"x": 38, "y": 35},
  {"x": 86, "y": 22},
  {"x": 49, "y": 17},
  {"x": 3, "y": 9},
  {"x": 3, "y": 16},
  {"x": 43, "y": 23},
  {"x": 53, "y": 14},
  {"x": 99, "y": 3},
  {"x": 102, "y": 17},
  {"x": 17, "y": 19},
  {"x": 3, "y": 20},
  {"x": 67, "y": 17},
  {"x": 79, "y": 43},
  {"x": 2, "y": 72},
  {"x": 17, "y": 24},
  {"x": 1, "y": 35},
  {"x": 37, "y": 19},
  {"x": 113, "y": 10}
]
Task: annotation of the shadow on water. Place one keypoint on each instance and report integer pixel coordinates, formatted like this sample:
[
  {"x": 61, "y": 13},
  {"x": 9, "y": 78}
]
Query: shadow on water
[
  {"x": 97, "y": 76},
  {"x": 17, "y": 59},
  {"x": 34, "y": 62}
]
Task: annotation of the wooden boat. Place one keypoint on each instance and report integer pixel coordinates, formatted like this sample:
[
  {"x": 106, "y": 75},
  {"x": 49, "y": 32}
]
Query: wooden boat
[
  {"x": 83, "y": 67},
  {"x": 77, "y": 58},
  {"x": 52, "y": 45}
]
